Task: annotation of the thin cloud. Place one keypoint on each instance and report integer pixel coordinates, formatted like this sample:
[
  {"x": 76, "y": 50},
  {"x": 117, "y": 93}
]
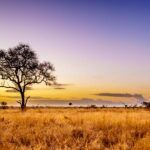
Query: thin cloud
[
  {"x": 59, "y": 88},
  {"x": 32, "y": 97},
  {"x": 62, "y": 84},
  {"x": 140, "y": 97},
  {"x": 14, "y": 91},
  {"x": 11, "y": 91}
]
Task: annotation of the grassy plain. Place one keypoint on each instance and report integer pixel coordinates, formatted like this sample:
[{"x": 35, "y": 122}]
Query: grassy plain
[{"x": 75, "y": 129}]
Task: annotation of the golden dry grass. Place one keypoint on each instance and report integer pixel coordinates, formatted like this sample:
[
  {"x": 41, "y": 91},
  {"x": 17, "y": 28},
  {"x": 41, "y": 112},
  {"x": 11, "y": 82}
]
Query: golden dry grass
[{"x": 75, "y": 129}]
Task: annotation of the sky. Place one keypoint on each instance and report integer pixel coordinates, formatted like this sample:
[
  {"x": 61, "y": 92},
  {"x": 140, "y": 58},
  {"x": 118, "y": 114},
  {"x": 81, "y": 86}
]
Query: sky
[{"x": 96, "y": 46}]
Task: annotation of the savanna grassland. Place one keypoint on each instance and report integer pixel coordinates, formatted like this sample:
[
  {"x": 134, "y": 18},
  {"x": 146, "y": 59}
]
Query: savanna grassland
[{"x": 75, "y": 129}]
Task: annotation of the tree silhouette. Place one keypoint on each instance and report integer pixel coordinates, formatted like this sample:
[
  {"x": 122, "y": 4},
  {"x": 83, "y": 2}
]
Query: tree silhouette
[
  {"x": 146, "y": 104},
  {"x": 20, "y": 69},
  {"x": 70, "y": 104},
  {"x": 4, "y": 104}
]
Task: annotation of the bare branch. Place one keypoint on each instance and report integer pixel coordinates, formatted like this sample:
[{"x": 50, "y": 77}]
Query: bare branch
[
  {"x": 27, "y": 100},
  {"x": 19, "y": 102},
  {"x": 9, "y": 87}
]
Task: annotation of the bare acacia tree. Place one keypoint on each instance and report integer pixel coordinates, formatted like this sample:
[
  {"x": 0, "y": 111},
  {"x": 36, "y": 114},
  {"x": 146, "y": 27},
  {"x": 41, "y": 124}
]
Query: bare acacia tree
[{"x": 20, "y": 69}]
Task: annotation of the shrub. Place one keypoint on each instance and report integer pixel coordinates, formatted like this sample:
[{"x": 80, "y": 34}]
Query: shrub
[{"x": 4, "y": 105}]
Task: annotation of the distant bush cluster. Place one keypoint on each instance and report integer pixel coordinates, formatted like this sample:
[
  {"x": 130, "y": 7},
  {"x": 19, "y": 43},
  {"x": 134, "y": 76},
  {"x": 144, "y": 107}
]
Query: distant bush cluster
[{"x": 146, "y": 104}]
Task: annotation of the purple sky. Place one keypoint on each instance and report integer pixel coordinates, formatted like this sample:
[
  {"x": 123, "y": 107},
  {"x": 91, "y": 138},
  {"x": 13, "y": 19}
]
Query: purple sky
[{"x": 96, "y": 46}]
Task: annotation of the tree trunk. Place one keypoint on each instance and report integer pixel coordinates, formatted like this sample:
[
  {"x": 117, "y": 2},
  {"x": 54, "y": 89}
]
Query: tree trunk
[{"x": 23, "y": 105}]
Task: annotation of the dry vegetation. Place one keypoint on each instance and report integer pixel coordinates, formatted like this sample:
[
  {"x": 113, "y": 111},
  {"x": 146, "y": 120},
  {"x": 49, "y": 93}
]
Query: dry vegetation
[{"x": 75, "y": 129}]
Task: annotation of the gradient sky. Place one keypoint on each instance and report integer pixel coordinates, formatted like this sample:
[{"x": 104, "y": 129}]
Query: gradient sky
[{"x": 96, "y": 46}]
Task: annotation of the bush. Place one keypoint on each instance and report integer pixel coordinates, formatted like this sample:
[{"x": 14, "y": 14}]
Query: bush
[
  {"x": 4, "y": 105},
  {"x": 146, "y": 104}
]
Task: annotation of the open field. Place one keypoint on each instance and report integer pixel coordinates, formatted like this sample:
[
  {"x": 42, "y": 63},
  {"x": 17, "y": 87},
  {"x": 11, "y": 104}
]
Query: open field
[{"x": 75, "y": 129}]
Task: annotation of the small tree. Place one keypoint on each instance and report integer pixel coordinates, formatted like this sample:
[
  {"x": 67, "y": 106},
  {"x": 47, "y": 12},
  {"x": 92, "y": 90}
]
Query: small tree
[
  {"x": 70, "y": 104},
  {"x": 4, "y": 104},
  {"x": 20, "y": 69},
  {"x": 93, "y": 106},
  {"x": 146, "y": 104}
]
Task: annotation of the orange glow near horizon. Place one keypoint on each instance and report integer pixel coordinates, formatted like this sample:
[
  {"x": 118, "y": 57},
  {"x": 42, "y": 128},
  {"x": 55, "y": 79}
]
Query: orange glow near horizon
[{"x": 73, "y": 92}]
